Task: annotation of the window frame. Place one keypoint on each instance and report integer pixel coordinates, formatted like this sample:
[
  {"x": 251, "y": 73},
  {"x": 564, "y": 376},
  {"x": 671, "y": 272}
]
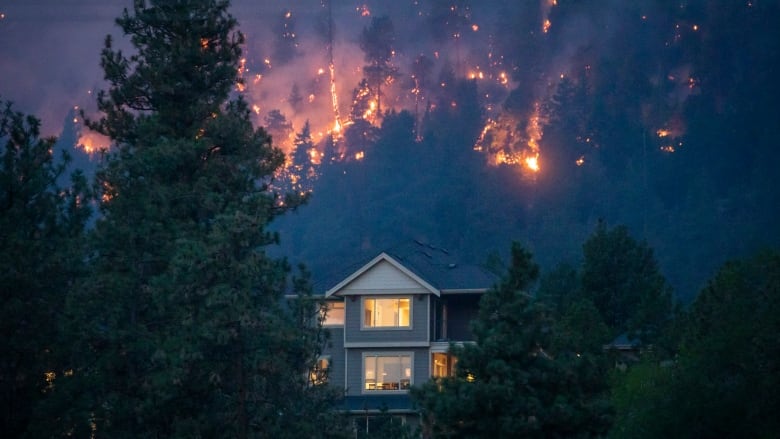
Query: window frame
[
  {"x": 365, "y": 327},
  {"x": 392, "y": 354}
]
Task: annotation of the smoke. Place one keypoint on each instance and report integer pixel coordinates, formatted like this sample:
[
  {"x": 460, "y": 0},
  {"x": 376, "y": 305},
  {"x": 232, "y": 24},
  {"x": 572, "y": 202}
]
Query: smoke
[{"x": 50, "y": 51}]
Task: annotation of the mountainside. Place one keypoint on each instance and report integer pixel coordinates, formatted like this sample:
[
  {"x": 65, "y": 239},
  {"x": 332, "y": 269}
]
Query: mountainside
[{"x": 665, "y": 122}]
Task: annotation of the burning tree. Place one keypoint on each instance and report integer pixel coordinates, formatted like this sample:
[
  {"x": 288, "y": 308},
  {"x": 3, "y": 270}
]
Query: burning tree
[
  {"x": 179, "y": 329},
  {"x": 377, "y": 43}
]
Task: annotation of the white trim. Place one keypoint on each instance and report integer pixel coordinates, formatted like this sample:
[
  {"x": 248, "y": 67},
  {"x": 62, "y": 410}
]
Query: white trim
[
  {"x": 428, "y": 320},
  {"x": 346, "y": 369},
  {"x": 363, "y": 390},
  {"x": 387, "y": 344},
  {"x": 384, "y": 292},
  {"x": 381, "y": 257}
]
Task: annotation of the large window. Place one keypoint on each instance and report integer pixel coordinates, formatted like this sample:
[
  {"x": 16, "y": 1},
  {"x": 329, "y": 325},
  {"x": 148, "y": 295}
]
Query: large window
[
  {"x": 387, "y": 371},
  {"x": 334, "y": 314},
  {"x": 394, "y": 312}
]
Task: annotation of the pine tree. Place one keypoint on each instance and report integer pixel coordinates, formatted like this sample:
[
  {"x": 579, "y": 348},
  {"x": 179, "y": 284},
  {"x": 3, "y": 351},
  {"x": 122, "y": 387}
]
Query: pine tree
[
  {"x": 622, "y": 279},
  {"x": 377, "y": 42},
  {"x": 305, "y": 170},
  {"x": 41, "y": 231},
  {"x": 723, "y": 379},
  {"x": 512, "y": 382},
  {"x": 180, "y": 328}
]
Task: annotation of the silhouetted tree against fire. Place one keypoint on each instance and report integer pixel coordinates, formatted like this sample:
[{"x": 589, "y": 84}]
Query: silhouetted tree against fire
[
  {"x": 377, "y": 41},
  {"x": 179, "y": 328},
  {"x": 41, "y": 251}
]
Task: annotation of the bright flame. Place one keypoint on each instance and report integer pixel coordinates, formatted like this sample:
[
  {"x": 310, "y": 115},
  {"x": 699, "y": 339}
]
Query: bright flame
[
  {"x": 334, "y": 97},
  {"x": 92, "y": 142},
  {"x": 532, "y": 162},
  {"x": 534, "y": 132}
]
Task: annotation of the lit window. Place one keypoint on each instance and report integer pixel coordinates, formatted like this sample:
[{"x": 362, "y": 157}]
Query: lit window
[
  {"x": 387, "y": 312},
  {"x": 334, "y": 314},
  {"x": 387, "y": 372},
  {"x": 443, "y": 365},
  {"x": 319, "y": 374}
]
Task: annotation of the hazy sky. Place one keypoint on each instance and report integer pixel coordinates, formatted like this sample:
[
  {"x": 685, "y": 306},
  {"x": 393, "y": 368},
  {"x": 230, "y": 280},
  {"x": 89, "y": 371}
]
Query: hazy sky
[{"x": 49, "y": 54}]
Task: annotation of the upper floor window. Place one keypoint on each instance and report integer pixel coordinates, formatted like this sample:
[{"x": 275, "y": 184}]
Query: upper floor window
[
  {"x": 393, "y": 312},
  {"x": 334, "y": 314}
]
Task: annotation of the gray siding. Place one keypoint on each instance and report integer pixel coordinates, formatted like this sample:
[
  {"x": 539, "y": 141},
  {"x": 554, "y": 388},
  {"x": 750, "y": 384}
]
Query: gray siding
[
  {"x": 418, "y": 332},
  {"x": 335, "y": 350},
  {"x": 420, "y": 366}
]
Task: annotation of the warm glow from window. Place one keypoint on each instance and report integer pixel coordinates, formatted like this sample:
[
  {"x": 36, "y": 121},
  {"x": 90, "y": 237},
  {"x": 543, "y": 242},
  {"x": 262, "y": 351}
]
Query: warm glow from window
[
  {"x": 387, "y": 372},
  {"x": 387, "y": 313},
  {"x": 319, "y": 375},
  {"x": 443, "y": 365},
  {"x": 334, "y": 314}
]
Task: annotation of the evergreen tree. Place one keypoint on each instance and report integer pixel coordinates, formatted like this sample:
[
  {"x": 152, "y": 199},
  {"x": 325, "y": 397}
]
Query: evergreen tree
[
  {"x": 41, "y": 230},
  {"x": 377, "y": 41},
  {"x": 305, "y": 171},
  {"x": 180, "y": 329},
  {"x": 511, "y": 382},
  {"x": 723, "y": 381},
  {"x": 621, "y": 277}
]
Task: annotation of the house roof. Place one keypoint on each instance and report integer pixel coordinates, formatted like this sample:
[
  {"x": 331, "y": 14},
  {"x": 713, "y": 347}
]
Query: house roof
[{"x": 434, "y": 268}]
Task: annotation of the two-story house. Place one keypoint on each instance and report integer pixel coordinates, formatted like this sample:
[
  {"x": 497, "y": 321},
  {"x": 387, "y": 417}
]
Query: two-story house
[{"x": 392, "y": 321}]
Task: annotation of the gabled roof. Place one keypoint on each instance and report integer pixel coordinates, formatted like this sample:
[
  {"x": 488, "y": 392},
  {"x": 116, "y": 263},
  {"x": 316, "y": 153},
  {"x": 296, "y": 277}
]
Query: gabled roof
[
  {"x": 435, "y": 269},
  {"x": 383, "y": 257}
]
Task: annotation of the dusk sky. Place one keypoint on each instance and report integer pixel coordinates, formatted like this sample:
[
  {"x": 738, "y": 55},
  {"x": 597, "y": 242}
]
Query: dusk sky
[{"x": 668, "y": 64}]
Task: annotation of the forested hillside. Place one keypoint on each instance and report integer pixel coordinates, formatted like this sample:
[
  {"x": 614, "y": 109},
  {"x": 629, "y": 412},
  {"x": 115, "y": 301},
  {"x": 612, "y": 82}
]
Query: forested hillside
[{"x": 652, "y": 114}]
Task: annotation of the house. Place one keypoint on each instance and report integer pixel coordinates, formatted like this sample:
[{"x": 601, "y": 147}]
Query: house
[{"x": 391, "y": 322}]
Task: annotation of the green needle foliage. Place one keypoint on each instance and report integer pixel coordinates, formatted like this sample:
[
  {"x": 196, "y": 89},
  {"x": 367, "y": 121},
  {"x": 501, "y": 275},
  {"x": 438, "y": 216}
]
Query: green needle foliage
[
  {"x": 180, "y": 329},
  {"x": 519, "y": 379},
  {"x": 723, "y": 381},
  {"x": 41, "y": 226}
]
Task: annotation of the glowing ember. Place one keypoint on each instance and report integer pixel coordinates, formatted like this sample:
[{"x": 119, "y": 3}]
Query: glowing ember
[
  {"x": 580, "y": 161},
  {"x": 546, "y": 26}
]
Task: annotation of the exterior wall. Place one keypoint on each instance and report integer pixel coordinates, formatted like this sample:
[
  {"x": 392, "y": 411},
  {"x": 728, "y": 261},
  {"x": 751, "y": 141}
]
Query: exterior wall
[
  {"x": 420, "y": 368},
  {"x": 418, "y": 333},
  {"x": 335, "y": 351},
  {"x": 382, "y": 276}
]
